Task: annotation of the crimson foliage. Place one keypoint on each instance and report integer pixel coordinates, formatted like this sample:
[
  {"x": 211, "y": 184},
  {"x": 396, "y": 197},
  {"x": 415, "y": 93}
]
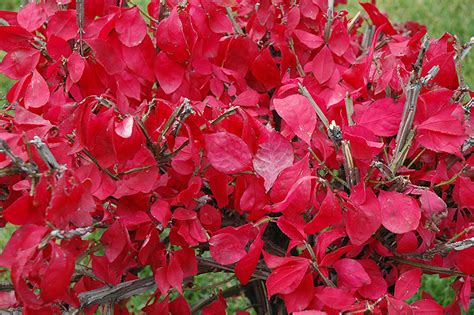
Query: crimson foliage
[{"x": 330, "y": 164}]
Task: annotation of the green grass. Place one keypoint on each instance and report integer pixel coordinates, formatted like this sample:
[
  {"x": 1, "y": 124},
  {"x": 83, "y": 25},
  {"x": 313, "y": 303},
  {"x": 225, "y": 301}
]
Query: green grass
[{"x": 440, "y": 16}]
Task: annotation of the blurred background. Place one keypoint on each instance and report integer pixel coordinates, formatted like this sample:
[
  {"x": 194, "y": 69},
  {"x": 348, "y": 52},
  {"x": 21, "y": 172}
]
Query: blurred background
[{"x": 440, "y": 16}]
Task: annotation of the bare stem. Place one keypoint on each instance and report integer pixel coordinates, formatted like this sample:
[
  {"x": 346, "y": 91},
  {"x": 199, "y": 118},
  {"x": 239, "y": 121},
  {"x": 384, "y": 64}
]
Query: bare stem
[
  {"x": 352, "y": 174},
  {"x": 304, "y": 91},
  {"x": 235, "y": 25},
  {"x": 330, "y": 19},
  {"x": 299, "y": 68}
]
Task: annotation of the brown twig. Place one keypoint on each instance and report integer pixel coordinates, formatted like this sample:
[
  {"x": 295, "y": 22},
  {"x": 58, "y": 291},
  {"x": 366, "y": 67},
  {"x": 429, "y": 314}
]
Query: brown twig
[{"x": 427, "y": 267}]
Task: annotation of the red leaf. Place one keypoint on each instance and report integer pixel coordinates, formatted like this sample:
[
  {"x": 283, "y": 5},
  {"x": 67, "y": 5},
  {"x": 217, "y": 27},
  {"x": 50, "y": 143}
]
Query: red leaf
[
  {"x": 131, "y": 27},
  {"x": 31, "y": 16},
  {"x": 382, "y": 117},
  {"x": 298, "y": 113},
  {"x": 210, "y": 217},
  {"x": 350, "y": 273},
  {"x": 218, "y": 307},
  {"x": 363, "y": 211},
  {"x": 75, "y": 66},
  {"x": 339, "y": 41},
  {"x": 441, "y": 133},
  {"x": 115, "y": 240},
  {"x": 431, "y": 203},
  {"x": 227, "y": 153},
  {"x": 396, "y": 307},
  {"x": 334, "y": 298},
  {"x": 160, "y": 210},
  {"x": 292, "y": 228},
  {"x": 169, "y": 73},
  {"x": 400, "y": 213},
  {"x": 329, "y": 213},
  {"x": 23, "y": 241},
  {"x": 107, "y": 55},
  {"x": 447, "y": 75},
  {"x": 465, "y": 294},
  {"x": 273, "y": 156},
  {"x": 63, "y": 25},
  {"x": 175, "y": 274},
  {"x": 323, "y": 65},
  {"x": 299, "y": 299},
  {"x": 286, "y": 279},
  {"x": 287, "y": 178},
  {"x": 180, "y": 306},
  {"x": 170, "y": 37},
  {"x": 187, "y": 261},
  {"x": 291, "y": 196},
  {"x": 37, "y": 92},
  {"x": 464, "y": 261},
  {"x": 246, "y": 266},
  {"x": 427, "y": 307},
  {"x": 226, "y": 248},
  {"x": 408, "y": 284},
  {"x": 20, "y": 63},
  {"x": 378, "y": 18},
  {"x": 265, "y": 69},
  {"x": 57, "y": 276},
  {"x": 310, "y": 40},
  {"x": 24, "y": 211}
]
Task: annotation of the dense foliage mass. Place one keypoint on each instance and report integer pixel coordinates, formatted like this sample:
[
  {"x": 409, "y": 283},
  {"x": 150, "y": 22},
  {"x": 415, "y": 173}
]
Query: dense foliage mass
[{"x": 326, "y": 161}]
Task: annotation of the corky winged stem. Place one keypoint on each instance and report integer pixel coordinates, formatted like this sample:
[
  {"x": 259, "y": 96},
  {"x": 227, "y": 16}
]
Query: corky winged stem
[{"x": 405, "y": 133}]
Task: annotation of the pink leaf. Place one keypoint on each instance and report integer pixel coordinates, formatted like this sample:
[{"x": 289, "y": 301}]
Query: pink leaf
[
  {"x": 37, "y": 92},
  {"x": 31, "y": 16},
  {"x": 125, "y": 128},
  {"x": 273, "y": 156}
]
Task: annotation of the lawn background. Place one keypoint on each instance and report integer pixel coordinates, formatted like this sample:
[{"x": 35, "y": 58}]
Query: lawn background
[{"x": 440, "y": 16}]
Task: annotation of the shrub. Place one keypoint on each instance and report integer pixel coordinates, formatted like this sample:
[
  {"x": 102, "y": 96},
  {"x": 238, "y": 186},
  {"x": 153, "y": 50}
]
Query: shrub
[{"x": 328, "y": 168}]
